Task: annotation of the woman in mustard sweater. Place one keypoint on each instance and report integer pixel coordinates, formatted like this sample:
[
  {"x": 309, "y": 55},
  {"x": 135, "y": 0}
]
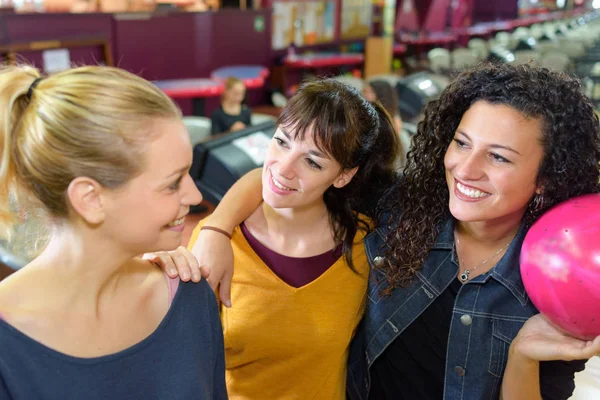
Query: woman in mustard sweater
[{"x": 300, "y": 267}]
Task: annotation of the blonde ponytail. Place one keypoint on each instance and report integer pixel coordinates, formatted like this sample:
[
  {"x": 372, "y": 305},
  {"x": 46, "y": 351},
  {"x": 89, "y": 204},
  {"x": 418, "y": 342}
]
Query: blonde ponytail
[{"x": 14, "y": 83}]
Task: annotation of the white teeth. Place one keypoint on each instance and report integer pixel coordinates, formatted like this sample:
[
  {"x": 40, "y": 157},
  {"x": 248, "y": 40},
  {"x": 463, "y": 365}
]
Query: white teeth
[
  {"x": 279, "y": 185},
  {"x": 177, "y": 222},
  {"x": 470, "y": 192}
]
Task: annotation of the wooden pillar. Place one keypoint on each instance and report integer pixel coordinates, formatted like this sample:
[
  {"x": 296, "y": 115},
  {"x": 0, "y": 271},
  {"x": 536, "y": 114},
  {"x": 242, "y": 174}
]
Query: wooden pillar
[{"x": 378, "y": 55}]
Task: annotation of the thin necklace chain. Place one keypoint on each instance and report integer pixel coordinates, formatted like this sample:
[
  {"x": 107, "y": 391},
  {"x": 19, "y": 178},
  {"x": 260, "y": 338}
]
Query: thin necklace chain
[{"x": 464, "y": 276}]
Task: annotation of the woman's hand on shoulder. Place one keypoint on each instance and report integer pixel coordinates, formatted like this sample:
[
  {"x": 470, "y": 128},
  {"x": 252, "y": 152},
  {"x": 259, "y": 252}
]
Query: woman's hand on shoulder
[
  {"x": 179, "y": 262},
  {"x": 211, "y": 258}
]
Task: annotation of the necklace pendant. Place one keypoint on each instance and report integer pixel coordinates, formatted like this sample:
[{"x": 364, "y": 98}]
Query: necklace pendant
[{"x": 464, "y": 276}]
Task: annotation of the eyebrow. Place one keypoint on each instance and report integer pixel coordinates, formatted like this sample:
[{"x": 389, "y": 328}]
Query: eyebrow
[
  {"x": 178, "y": 172},
  {"x": 494, "y": 146},
  {"x": 312, "y": 152}
]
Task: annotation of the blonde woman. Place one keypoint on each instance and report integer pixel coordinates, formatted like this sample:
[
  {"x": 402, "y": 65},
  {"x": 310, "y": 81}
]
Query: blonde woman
[
  {"x": 232, "y": 115},
  {"x": 106, "y": 155}
]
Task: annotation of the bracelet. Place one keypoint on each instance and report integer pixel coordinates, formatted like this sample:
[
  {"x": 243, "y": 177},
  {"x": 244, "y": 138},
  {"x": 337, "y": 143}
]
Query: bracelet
[{"x": 212, "y": 228}]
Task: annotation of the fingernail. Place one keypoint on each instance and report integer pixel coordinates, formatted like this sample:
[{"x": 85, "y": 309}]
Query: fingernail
[
  {"x": 227, "y": 303},
  {"x": 185, "y": 276},
  {"x": 172, "y": 271}
]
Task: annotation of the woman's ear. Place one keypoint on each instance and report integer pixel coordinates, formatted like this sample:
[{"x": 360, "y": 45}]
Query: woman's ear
[
  {"x": 345, "y": 177},
  {"x": 85, "y": 197}
]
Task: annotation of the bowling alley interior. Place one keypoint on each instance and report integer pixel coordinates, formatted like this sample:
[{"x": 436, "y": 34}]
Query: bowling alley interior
[{"x": 232, "y": 66}]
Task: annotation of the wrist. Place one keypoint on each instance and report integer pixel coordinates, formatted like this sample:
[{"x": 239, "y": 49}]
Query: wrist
[
  {"x": 215, "y": 222},
  {"x": 215, "y": 229},
  {"x": 516, "y": 356}
]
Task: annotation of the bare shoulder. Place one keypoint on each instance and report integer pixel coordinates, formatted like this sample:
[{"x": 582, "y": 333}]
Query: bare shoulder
[
  {"x": 149, "y": 278},
  {"x": 15, "y": 288},
  {"x": 22, "y": 299}
]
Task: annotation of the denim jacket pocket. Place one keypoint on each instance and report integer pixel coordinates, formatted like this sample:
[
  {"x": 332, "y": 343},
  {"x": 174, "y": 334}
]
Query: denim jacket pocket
[{"x": 504, "y": 331}]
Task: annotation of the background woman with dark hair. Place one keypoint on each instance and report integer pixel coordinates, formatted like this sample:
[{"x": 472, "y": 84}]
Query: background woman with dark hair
[{"x": 381, "y": 91}]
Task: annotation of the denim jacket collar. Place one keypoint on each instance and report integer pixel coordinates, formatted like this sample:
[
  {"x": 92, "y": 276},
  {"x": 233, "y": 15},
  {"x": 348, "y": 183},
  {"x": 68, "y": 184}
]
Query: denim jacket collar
[
  {"x": 507, "y": 271},
  {"x": 445, "y": 239}
]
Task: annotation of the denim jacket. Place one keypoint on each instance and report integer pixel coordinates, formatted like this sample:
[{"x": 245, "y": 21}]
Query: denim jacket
[{"x": 488, "y": 313}]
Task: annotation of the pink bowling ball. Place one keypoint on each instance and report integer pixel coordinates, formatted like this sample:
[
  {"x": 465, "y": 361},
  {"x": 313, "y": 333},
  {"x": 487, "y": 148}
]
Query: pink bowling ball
[{"x": 560, "y": 265}]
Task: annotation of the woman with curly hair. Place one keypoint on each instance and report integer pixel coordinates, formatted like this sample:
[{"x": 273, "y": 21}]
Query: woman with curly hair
[{"x": 447, "y": 314}]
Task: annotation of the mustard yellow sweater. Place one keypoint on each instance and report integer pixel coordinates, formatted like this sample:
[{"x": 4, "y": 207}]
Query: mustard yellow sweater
[{"x": 283, "y": 342}]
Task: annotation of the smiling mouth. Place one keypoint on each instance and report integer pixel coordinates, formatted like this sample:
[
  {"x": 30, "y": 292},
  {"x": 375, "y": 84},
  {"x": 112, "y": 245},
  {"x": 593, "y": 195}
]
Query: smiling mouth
[
  {"x": 280, "y": 185},
  {"x": 471, "y": 192},
  {"x": 177, "y": 222}
]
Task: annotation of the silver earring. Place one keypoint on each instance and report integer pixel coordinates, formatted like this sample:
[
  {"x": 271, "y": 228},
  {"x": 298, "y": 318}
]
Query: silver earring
[{"x": 538, "y": 202}]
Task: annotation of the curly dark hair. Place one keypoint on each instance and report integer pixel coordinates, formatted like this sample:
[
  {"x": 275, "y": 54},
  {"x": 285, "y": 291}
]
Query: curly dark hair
[
  {"x": 355, "y": 133},
  {"x": 416, "y": 206}
]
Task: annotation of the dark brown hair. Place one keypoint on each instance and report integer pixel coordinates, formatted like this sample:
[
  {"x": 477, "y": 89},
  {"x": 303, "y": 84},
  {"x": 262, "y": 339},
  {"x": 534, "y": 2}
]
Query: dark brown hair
[
  {"x": 354, "y": 132},
  {"x": 386, "y": 95}
]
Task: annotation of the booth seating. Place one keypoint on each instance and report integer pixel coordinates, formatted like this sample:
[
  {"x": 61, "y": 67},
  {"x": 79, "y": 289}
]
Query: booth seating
[
  {"x": 219, "y": 161},
  {"x": 463, "y": 58},
  {"x": 480, "y": 47},
  {"x": 198, "y": 128},
  {"x": 440, "y": 60}
]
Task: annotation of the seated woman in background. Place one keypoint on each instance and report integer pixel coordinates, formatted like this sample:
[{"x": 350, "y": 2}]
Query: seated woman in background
[
  {"x": 232, "y": 115},
  {"x": 106, "y": 155},
  {"x": 381, "y": 91}
]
